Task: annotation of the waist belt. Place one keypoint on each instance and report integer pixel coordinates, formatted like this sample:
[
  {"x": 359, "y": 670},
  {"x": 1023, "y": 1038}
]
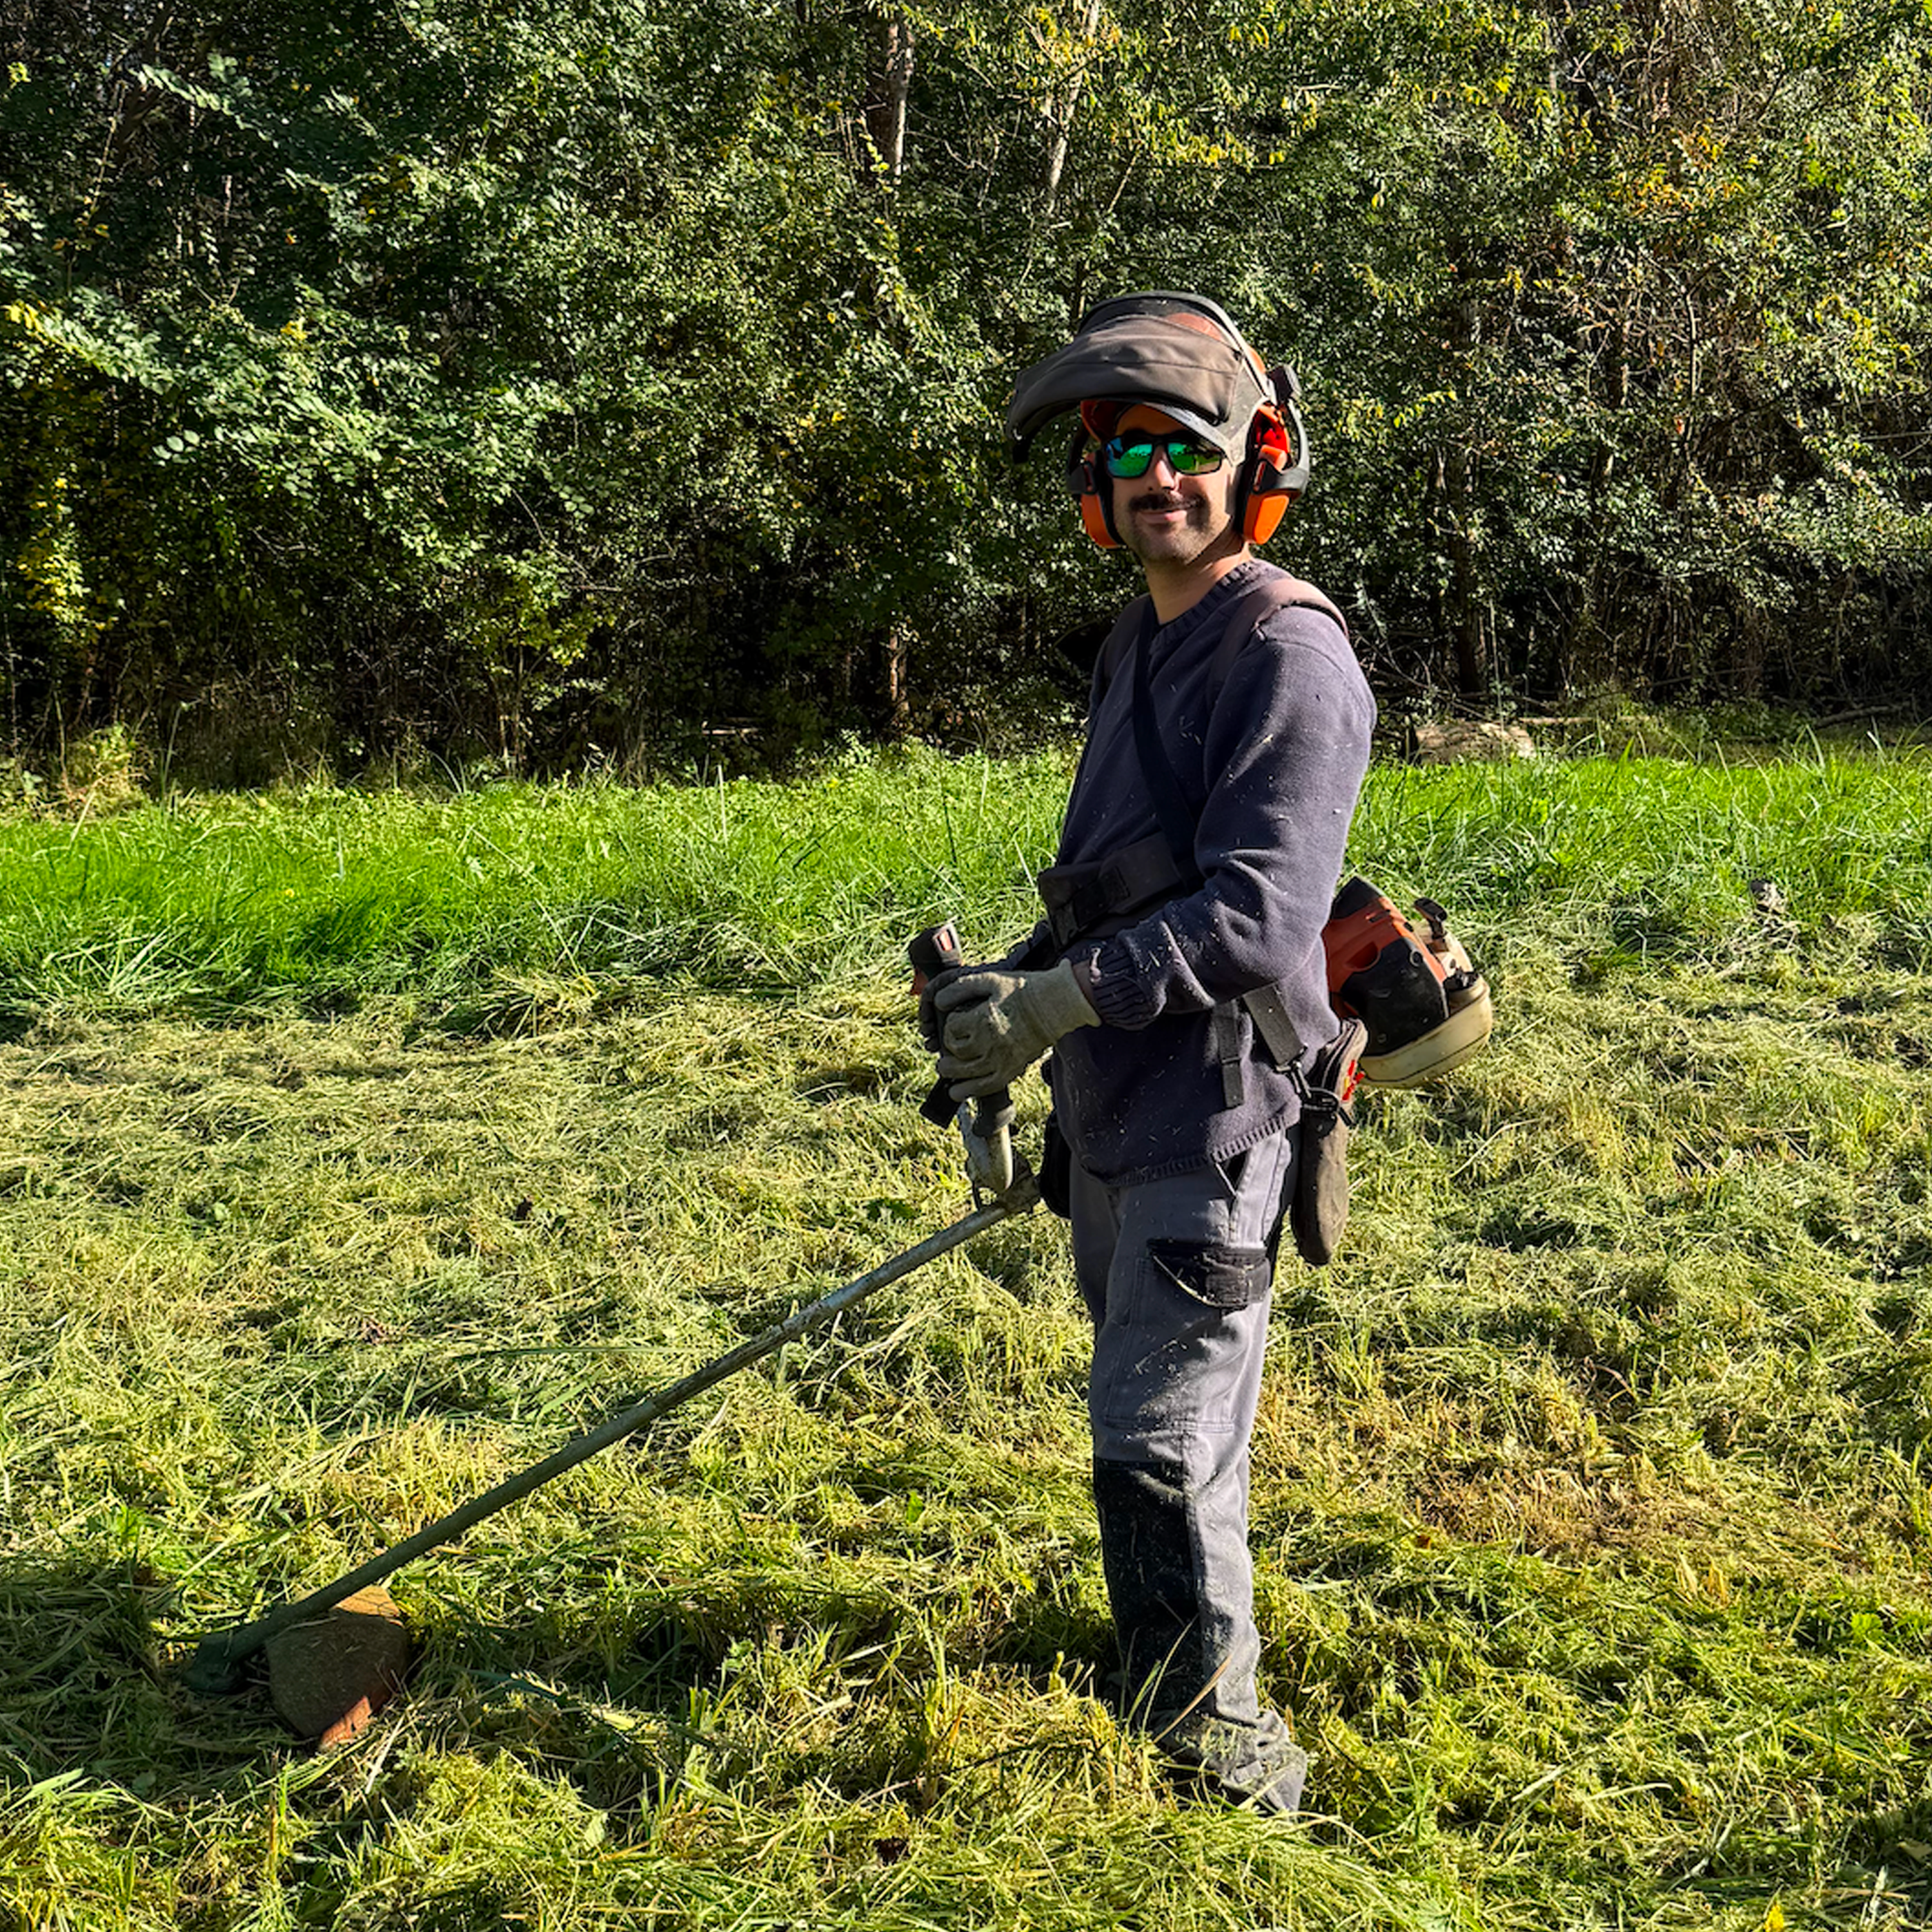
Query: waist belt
[{"x": 1079, "y": 897}]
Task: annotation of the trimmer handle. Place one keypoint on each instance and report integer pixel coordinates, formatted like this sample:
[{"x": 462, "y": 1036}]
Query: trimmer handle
[{"x": 934, "y": 951}]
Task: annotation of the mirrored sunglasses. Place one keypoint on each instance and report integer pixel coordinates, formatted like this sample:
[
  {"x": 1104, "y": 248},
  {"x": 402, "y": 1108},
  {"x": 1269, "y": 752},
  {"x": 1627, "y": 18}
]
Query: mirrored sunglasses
[{"x": 1129, "y": 456}]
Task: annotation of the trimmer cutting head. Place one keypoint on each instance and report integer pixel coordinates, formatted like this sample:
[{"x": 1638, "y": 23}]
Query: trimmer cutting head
[
  {"x": 329, "y": 1676},
  {"x": 328, "y": 1673}
]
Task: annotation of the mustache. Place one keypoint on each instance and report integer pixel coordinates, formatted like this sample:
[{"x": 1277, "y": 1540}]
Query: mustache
[{"x": 1158, "y": 499}]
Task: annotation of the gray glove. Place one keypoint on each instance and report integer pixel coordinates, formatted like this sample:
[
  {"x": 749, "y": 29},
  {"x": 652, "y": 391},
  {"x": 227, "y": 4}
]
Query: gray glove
[
  {"x": 996, "y": 1024},
  {"x": 931, "y": 1019}
]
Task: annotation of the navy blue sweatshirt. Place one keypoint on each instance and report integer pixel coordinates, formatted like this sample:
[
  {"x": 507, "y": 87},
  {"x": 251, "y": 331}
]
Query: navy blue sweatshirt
[{"x": 1277, "y": 749}]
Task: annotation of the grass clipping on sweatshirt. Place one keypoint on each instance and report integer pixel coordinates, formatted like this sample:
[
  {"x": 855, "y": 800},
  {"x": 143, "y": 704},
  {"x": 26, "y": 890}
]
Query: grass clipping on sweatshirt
[{"x": 1590, "y": 1516}]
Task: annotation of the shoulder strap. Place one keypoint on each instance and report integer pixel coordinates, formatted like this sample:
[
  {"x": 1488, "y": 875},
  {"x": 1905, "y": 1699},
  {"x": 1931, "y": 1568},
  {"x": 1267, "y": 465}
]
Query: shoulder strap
[
  {"x": 1136, "y": 620},
  {"x": 1172, "y": 806},
  {"x": 1278, "y": 593},
  {"x": 1178, "y": 818}
]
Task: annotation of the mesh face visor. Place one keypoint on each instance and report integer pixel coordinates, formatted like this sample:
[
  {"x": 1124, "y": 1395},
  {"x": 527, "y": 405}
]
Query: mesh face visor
[{"x": 1179, "y": 353}]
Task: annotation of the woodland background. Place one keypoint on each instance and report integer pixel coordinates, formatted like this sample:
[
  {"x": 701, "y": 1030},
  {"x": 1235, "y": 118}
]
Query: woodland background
[{"x": 548, "y": 382}]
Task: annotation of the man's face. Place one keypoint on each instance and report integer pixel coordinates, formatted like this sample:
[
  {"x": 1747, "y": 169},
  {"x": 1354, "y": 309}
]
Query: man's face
[{"x": 1164, "y": 518}]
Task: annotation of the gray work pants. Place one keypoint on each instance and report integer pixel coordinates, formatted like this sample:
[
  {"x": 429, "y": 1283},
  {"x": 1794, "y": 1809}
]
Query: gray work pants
[{"x": 1177, "y": 1274}]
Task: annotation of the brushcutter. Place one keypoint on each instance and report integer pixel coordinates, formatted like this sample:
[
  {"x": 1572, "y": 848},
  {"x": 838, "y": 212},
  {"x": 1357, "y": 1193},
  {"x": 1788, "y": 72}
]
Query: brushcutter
[{"x": 323, "y": 1638}]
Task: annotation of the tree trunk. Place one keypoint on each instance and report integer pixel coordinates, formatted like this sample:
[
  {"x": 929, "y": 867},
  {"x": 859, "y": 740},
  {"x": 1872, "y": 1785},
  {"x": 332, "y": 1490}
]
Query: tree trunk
[
  {"x": 1471, "y": 621},
  {"x": 1060, "y": 115},
  {"x": 887, "y": 85},
  {"x": 897, "y": 718}
]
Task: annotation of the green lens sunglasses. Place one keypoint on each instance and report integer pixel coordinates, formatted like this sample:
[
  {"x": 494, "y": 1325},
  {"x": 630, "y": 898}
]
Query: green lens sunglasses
[{"x": 1125, "y": 459}]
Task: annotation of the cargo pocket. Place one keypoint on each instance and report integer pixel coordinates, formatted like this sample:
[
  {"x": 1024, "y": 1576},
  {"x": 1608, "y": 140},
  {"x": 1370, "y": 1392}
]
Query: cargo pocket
[
  {"x": 1220, "y": 1277},
  {"x": 1177, "y": 1351}
]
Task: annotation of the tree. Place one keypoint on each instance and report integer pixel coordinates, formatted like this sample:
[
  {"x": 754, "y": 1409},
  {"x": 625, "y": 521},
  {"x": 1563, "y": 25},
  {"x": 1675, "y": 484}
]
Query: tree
[{"x": 549, "y": 374}]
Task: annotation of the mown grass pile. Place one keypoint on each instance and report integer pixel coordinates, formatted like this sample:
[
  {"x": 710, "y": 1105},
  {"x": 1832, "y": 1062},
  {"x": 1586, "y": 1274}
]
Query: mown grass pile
[{"x": 356, "y": 1150}]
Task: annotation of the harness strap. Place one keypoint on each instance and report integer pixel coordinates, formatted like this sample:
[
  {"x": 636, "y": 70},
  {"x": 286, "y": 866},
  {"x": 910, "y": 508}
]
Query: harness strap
[
  {"x": 1269, "y": 1011},
  {"x": 1171, "y": 811},
  {"x": 1281, "y": 592},
  {"x": 1078, "y": 897},
  {"x": 1225, "y": 1032}
]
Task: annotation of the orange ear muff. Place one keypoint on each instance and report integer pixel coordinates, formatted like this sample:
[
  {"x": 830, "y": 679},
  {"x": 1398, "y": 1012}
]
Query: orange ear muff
[
  {"x": 1093, "y": 515},
  {"x": 1089, "y": 490},
  {"x": 1264, "y": 518},
  {"x": 1266, "y": 490}
]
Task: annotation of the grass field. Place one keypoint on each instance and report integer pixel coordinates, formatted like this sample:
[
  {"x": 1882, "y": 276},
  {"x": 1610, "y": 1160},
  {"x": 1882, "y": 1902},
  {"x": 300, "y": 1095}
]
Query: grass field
[{"x": 356, "y": 1149}]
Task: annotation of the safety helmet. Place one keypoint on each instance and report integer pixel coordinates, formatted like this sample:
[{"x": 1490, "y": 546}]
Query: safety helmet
[{"x": 1182, "y": 355}]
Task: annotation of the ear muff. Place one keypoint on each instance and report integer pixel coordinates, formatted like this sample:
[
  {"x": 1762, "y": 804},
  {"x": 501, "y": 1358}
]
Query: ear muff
[
  {"x": 1264, "y": 501},
  {"x": 1083, "y": 480},
  {"x": 1276, "y": 471}
]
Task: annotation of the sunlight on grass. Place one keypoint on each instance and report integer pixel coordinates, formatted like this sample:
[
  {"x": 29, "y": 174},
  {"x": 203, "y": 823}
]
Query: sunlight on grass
[
  {"x": 355, "y": 1150},
  {"x": 494, "y": 896}
]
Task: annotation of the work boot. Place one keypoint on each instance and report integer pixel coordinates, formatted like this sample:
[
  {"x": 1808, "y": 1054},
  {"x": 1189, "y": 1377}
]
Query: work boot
[{"x": 1258, "y": 1766}]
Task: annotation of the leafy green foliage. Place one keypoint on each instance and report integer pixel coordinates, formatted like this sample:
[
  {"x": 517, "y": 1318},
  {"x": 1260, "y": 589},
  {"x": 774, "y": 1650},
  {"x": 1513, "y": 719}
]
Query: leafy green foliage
[{"x": 540, "y": 378}]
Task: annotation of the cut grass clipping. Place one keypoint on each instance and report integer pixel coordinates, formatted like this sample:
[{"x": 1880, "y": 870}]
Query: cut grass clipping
[{"x": 358, "y": 1151}]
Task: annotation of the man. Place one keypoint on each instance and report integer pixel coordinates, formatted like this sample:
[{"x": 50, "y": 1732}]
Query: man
[{"x": 1179, "y": 982}]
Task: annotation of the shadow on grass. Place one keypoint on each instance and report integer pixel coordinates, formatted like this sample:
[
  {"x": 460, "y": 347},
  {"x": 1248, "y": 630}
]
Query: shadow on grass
[
  {"x": 84, "y": 1687},
  {"x": 726, "y": 1671},
  {"x": 1052, "y": 1633},
  {"x": 1897, "y": 1843}
]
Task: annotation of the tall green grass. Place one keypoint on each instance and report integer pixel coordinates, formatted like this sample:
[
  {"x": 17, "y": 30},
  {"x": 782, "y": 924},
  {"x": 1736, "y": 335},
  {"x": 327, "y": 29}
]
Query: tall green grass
[
  {"x": 1653, "y": 855},
  {"x": 335, "y": 895},
  {"x": 343, "y": 894}
]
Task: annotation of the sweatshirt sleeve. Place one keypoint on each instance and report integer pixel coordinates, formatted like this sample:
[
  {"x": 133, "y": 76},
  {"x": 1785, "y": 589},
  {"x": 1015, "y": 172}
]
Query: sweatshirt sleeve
[{"x": 1287, "y": 745}]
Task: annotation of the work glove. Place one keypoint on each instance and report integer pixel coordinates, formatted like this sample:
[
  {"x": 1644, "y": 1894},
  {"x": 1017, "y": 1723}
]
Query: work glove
[
  {"x": 931, "y": 1021},
  {"x": 995, "y": 1024}
]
